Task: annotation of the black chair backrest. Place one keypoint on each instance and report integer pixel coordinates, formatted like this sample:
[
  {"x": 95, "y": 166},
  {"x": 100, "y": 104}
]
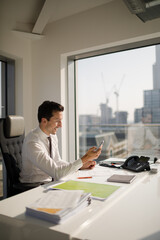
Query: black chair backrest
[{"x": 11, "y": 140}]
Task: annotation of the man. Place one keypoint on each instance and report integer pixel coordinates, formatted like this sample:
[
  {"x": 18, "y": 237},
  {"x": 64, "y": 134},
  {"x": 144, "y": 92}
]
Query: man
[{"x": 40, "y": 163}]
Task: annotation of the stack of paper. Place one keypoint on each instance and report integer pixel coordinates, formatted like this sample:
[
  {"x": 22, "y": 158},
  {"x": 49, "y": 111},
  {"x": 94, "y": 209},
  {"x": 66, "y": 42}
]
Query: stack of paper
[{"x": 57, "y": 205}]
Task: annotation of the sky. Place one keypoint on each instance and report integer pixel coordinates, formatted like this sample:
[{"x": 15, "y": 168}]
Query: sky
[{"x": 127, "y": 73}]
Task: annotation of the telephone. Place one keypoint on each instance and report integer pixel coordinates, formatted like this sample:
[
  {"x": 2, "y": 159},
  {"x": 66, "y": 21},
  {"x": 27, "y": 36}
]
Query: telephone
[{"x": 136, "y": 163}]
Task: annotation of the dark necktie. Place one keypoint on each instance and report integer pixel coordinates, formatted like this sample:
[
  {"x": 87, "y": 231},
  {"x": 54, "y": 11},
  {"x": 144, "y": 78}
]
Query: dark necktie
[
  {"x": 50, "y": 149},
  {"x": 50, "y": 146}
]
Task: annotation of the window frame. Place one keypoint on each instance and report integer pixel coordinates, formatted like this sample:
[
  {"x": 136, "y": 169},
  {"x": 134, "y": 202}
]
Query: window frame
[
  {"x": 8, "y": 82},
  {"x": 3, "y": 89},
  {"x": 8, "y": 85},
  {"x": 128, "y": 44}
]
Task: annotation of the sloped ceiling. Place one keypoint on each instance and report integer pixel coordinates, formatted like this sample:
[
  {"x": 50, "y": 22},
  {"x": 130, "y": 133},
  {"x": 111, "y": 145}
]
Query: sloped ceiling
[{"x": 38, "y": 13}]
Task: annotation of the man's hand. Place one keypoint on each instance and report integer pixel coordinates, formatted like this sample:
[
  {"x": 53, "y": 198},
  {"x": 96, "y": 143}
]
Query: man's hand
[
  {"x": 88, "y": 165},
  {"x": 87, "y": 159}
]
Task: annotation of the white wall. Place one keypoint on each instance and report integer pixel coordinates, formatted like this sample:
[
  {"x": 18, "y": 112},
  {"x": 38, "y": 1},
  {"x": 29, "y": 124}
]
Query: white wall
[
  {"x": 17, "y": 48},
  {"x": 39, "y": 62}
]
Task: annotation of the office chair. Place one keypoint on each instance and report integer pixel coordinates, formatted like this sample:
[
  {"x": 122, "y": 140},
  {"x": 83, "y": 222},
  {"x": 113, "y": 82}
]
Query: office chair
[{"x": 11, "y": 140}]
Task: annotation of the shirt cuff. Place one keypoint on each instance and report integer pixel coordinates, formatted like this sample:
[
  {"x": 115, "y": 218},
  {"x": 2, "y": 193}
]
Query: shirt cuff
[{"x": 78, "y": 163}]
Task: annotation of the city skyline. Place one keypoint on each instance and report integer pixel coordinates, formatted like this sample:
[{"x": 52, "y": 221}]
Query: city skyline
[{"x": 123, "y": 81}]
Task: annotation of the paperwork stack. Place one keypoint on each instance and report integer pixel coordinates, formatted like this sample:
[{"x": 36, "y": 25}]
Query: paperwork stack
[{"x": 57, "y": 205}]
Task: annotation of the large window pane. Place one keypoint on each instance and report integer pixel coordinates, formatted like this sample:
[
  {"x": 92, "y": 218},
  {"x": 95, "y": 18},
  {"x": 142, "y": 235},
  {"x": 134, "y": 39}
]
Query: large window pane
[
  {"x": 7, "y": 106},
  {"x": 118, "y": 101},
  {"x": 2, "y": 89}
]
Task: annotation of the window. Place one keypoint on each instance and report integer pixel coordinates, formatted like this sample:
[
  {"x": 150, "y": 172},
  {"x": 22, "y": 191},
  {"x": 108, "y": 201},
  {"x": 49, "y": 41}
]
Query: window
[
  {"x": 2, "y": 89},
  {"x": 7, "y": 87},
  {"x": 7, "y": 103},
  {"x": 118, "y": 101}
]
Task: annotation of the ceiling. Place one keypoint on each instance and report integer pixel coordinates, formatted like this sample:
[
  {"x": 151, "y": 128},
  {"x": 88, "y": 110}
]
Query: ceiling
[
  {"x": 39, "y": 13},
  {"x": 32, "y": 16}
]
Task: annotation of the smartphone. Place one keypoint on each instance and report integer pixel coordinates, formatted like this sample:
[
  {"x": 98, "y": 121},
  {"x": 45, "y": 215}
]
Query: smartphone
[{"x": 101, "y": 144}]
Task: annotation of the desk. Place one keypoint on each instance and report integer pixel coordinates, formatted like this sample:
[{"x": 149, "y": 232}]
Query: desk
[{"x": 131, "y": 213}]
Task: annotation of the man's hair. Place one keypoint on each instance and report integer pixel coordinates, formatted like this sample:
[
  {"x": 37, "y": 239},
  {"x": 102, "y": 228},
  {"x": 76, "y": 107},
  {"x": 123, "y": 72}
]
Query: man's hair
[{"x": 47, "y": 108}]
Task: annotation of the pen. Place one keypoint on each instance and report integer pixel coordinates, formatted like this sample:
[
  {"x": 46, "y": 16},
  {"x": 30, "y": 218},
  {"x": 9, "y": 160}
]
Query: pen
[{"x": 83, "y": 177}]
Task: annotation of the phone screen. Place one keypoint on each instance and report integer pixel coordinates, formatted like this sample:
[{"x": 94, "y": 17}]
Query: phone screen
[{"x": 101, "y": 144}]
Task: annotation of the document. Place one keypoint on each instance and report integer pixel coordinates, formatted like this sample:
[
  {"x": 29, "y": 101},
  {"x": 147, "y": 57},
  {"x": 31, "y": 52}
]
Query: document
[
  {"x": 59, "y": 199},
  {"x": 57, "y": 205},
  {"x": 97, "y": 190},
  {"x": 112, "y": 162}
]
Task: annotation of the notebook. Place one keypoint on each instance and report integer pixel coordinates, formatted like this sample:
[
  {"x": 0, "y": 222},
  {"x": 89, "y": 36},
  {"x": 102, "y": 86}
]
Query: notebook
[{"x": 121, "y": 178}]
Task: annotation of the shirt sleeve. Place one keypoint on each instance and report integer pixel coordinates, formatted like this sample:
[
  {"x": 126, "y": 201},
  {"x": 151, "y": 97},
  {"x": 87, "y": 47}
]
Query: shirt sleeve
[{"x": 56, "y": 167}]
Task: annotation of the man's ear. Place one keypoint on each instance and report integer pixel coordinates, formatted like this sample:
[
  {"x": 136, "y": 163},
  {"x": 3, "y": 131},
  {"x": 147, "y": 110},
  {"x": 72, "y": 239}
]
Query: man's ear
[{"x": 43, "y": 120}]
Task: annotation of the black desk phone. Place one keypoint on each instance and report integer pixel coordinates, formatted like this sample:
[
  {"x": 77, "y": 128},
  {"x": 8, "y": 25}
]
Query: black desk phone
[
  {"x": 136, "y": 163},
  {"x": 132, "y": 163}
]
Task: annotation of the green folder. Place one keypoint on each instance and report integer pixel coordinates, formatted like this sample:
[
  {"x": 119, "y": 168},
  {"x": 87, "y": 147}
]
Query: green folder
[{"x": 96, "y": 189}]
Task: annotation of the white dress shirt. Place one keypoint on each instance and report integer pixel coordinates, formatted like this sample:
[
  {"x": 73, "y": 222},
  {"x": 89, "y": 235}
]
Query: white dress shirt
[{"x": 37, "y": 165}]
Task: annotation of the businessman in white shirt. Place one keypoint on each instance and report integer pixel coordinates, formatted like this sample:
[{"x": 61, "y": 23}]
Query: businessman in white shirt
[{"x": 39, "y": 162}]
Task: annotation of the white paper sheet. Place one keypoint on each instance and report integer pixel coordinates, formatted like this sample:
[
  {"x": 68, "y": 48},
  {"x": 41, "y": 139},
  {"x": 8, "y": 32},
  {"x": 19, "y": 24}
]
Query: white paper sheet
[{"x": 59, "y": 199}]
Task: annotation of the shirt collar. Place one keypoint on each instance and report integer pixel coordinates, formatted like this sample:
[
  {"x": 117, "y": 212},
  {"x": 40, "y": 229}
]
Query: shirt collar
[{"x": 43, "y": 134}]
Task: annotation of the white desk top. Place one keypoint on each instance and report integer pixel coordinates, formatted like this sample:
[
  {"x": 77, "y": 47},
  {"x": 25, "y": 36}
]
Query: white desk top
[{"x": 131, "y": 213}]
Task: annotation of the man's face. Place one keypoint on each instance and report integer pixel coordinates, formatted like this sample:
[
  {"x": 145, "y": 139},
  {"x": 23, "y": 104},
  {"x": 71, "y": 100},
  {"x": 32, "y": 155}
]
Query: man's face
[{"x": 54, "y": 123}]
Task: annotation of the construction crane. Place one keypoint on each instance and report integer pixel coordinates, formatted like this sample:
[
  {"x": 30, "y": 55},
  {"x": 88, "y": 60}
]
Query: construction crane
[
  {"x": 107, "y": 94},
  {"x": 116, "y": 92}
]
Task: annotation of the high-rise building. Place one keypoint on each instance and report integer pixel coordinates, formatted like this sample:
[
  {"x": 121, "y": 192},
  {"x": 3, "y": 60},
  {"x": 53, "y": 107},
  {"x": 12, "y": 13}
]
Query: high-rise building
[
  {"x": 138, "y": 115},
  {"x": 151, "y": 98},
  {"x": 121, "y": 117},
  {"x": 156, "y": 69},
  {"x": 152, "y": 104},
  {"x": 106, "y": 113}
]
